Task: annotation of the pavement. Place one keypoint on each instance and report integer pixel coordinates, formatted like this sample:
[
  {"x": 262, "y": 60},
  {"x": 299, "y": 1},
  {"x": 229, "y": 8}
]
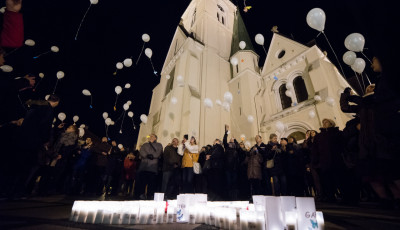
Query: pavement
[{"x": 53, "y": 213}]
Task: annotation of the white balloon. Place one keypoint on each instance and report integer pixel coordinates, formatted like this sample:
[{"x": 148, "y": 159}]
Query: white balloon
[
  {"x": 119, "y": 65},
  {"x": 62, "y": 116},
  {"x": 30, "y": 42},
  {"x": 60, "y": 75},
  {"x": 75, "y": 118},
  {"x": 174, "y": 100},
  {"x": 247, "y": 144},
  {"x": 228, "y": 97},
  {"x": 130, "y": 114},
  {"x": 129, "y": 102},
  {"x": 86, "y": 92},
  {"x": 81, "y": 132},
  {"x": 288, "y": 93},
  {"x": 82, "y": 126},
  {"x": 242, "y": 137},
  {"x": 94, "y": 2},
  {"x": 54, "y": 120},
  {"x": 128, "y": 62},
  {"x": 330, "y": 101},
  {"x": 3, "y": 9},
  {"x": 234, "y": 61},
  {"x": 208, "y": 103},
  {"x": 358, "y": 65},
  {"x": 108, "y": 121},
  {"x": 126, "y": 106},
  {"x": 41, "y": 75},
  {"x": 311, "y": 114},
  {"x": 218, "y": 102},
  {"x": 355, "y": 42},
  {"x": 250, "y": 119},
  {"x": 105, "y": 115},
  {"x": 112, "y": 122},
  {"x": 280, "y": 127},
  {"x": 148, "y": 52},
  {"x": 349, "y": 57},
  {"x": 289, "y": 85},
  {"x": 6, "y": 68},
  {"x": 226, "y": 106},
  {"x": 120, "y": 146},
  {"x": 127, "y": 86},
  {"x": 118, "y": 89},
  {"x": 317, "y": 98},
  {"x": 146, "y": 37},
  {"x": 180, "y": 81},
  {"x": 259, "y": 39},
  {"x": 54, "y": 49},
  {"x": 242, "y": 45},
  {"x": 316, "y": 19},
  {"x": 167, "y": 77},
  {"x": 143, "y": 118},
  {"x": 47, "y": 97}
]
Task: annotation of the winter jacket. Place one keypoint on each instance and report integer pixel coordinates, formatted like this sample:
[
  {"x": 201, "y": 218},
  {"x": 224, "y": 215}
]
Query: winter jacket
[
  {"x": 279, "y": 157},
  {"x": 217, "y": 157},
  {"x": 12, "y": 34},
  {"x": 171, "y": 158},
  {"x": 150, "y": 156},
  {"x": 129, "y": 169},
  {"x": 231, "y": 154},
  {"x": 190, "y": 154},
  {"x": 98, "y": 149},
  {"x": 254, "y": 161},
  {"x": 327, "y": 148},
  {"x": 295, "y": 164}
]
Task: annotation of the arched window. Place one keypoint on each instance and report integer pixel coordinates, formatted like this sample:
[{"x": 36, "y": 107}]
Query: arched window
[
  {"x": 285, "y": 100},
  {"x": 221, "y": 14},
  {"x": 300, "y": 89},
  {"x": 194, "y": 17}
]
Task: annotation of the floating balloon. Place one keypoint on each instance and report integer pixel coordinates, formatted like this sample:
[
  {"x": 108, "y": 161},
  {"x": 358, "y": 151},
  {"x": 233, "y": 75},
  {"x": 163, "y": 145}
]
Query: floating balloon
[
  {"x": 330, "y": 101},
  {"x": 62, "y": 116},
  {"x": 128, "y": 62},
  {"x": 316, "y": 19},
  {"x": 226, "y": 106},
  {"x": 349, "y": 57},
  {"x": 180, "y": 81},
  {"x": 242, "y": 45},
  {"x": 3, "y": 9},
  {"x": 120, "y": 146},
  {"x": 289, "y": 85},
  {"x": 317, "y": 98},
  {"x": 259, "y": 39},
  {"x": 108, "y": 121},
  {"x": 242, "y": 137},
  {"x": 355, "y": 42},
  {"x": 118, "y": 89},
  {"x": 94, "y": 2},
  {"x": 129, "y": 102},
  {"x": 280, "y": 127},
  {"x": 167, "y": 77},
  {"x": 75, "y": 119},
  {"x": 127, "y": 86},
  {"x": 119, "y": 65},
  {"x": 81, "y": 132},
  {"x": 130, "y": 114},
  {"x": 247, "y": 144},
  {"x": 105, "y": 115},
  {"x": 30, "y": 42},
  {"x": 174, "y": 100},
  {"x": 143, "y": 118},
  {"x": 126, "y": 107},
  {"x": 6, "y": 68},
  {"x": 112, "y": 122},
  {"x": 208, "y": 103},
  {"x": 358, "y": 65},
  {"x": 60, "y": 75},
  {"x": 54, "y": 49},
  {"x": 228, "y": 97},
  {"x": 218, "y": 102},
  {"x": 250, "y": 119},
  {"x": 82, "y": 126},
  {"x": 47, "y": 97},
  {"x": 288, "y": 93},
  {"x": 41, "y": 75},
  {"x": 234, "y": 61},
  {"x": 148, "y": 52},
  {"x": 145, "y": 37},
  {"x": 86, "y": 92},
  {"x": 311, "y": 114}
]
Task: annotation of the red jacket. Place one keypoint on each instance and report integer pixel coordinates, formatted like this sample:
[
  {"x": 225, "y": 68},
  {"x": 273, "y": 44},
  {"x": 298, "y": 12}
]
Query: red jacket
[
  {"x": 12, "y": 34},
  {"x": 129, "y": 169}
]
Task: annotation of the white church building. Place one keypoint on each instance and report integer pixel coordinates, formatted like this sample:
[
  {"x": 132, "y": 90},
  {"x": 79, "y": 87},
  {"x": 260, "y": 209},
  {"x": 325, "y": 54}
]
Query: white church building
[{"x": 297, "y": 86}]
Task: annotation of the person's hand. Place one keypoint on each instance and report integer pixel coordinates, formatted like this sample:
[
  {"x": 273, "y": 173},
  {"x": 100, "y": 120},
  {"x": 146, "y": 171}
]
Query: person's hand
[
  {"x": 13, "y": 5},
  {"x": 60, "y": 126},
  {"x": 274, "y": 147},
  {"x": 104, "y": 153},
  {"x": 226, "y": 127},
  {"x": 59, "y": 157}
]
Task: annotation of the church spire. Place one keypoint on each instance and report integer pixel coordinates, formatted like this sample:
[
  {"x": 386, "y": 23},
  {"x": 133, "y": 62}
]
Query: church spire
[{"x": 240, "y": 34}]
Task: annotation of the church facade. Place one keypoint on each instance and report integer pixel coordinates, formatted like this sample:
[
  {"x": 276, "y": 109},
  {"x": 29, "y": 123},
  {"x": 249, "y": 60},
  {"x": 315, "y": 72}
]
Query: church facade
[{"x": 297, "y": 86}]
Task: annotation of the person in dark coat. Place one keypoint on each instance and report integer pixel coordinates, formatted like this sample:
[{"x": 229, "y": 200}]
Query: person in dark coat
[
  {"x": 254, "y": 161},
  {"x": 327, "y": 159},
  {"x": 266, "y": 187},
  {"x": 171, "y": 165},
  {"x": 243, "y": 181},
  {"x": 311, "y": 177},
  {"x": 215, "y": 175},
  {"x": 295, "y": 168},
  {"x": 231, "y": 164},
  {"x": 278, "y": 155},
  {"x": 100, "y": 151}
]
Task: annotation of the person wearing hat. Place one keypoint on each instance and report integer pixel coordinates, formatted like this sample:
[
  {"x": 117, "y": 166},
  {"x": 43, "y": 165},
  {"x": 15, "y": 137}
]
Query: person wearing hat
[{"x": 190, "y": 152}]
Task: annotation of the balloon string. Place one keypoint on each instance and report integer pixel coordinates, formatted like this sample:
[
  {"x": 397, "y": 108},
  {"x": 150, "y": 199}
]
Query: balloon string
[
  {"x": 91, "y": 101},
  {"x": 123, "y": 118},
  {"x": 12, "y": 51},
  {"x": 84, "y": 16},
  {"x": 362, "y": 89},
  {"x": 134, "y": 126},
  {"x": 319, "y": 34},
  {"x": 367, "y": 78},
  {"x": 41, "y": 54},
  {"x": 155, "y": 72},
  {"x": 107, "y": 132},
  {"x": 20, "y": 101},
  {"x": 115, "y": 104},
  {"x": 264, "y": 49},
  {"x": 334, "y": 54},
  {"x": 55, "y": 86},
  {"x": 140, "y": 53},
  {"x": 37, "y": 84},
  {"x": 366, "y": 57}
]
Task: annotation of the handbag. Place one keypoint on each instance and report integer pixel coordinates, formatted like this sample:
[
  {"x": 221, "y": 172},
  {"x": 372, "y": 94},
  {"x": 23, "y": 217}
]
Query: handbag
[
  {"x": 270, "y": 163},
  {"x": 196, "y": 166}
]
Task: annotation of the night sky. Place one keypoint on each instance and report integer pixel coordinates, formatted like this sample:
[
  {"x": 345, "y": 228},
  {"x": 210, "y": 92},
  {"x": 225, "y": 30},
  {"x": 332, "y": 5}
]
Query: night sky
[{"x": 112, "y": 32}]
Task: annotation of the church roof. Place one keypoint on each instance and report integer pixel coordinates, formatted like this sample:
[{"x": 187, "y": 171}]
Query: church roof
[{"x": 240, "y": 34}]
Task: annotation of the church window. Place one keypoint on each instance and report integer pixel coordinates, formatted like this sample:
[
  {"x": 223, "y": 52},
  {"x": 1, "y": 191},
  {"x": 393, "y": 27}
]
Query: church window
[
  {"x": 170, "y": 82},
  {"x": 285, "y": 100},
  {"x": 194, "y": 17},
  {"x": 280, "y": 54},
  {"x": 300, "y": 89},
  {"x": 221, "y": 15}
]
